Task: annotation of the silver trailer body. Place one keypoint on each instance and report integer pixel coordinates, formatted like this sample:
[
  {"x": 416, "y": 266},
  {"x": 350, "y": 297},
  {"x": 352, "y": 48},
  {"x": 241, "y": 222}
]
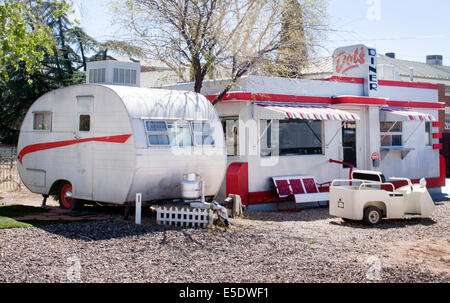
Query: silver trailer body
[{"x": 111, "y": 142}]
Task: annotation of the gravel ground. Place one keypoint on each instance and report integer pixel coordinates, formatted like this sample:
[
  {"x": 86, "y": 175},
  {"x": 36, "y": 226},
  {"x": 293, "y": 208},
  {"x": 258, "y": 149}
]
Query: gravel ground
[{"x": 263, "y": 247}]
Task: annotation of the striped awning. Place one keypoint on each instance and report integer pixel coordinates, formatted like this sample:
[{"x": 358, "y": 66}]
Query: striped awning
[
  {"x": 293, "y": 111},
  {"x": 388, "y": 114}
]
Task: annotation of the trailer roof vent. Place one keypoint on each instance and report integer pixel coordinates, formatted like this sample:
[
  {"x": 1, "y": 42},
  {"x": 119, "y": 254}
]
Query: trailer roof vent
[
  {"x": 435, "y": 60},
  {"x": 114, "y": 72}
]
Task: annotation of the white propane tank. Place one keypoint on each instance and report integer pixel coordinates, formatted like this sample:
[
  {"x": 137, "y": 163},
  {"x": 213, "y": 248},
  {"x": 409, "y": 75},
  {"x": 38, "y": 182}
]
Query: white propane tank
[{"x": 191, "y": 187}]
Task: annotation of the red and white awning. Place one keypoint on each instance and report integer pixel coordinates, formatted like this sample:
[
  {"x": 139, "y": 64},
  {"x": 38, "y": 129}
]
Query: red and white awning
[
  {"x": 388, "y": 114},
  {"x": 291, "y": 111}
]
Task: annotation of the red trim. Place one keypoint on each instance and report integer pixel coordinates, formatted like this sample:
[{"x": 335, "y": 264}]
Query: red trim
[
  {"x": 355, "y": 80},
  {"x": 437, "y": 124},
  {"x": 407, "y": 84},
  {"x": 351, "y": 80},
  {"x": 437, "y": 146},
  {"x": 413, "y": 104},
  {"x": 50, "y": 145},
  {"x": 359, "y": 100},
  {"x": 437, "y": 136},
  {"x": 260, "y": 97},
  {"x": 237, "y": 181}
]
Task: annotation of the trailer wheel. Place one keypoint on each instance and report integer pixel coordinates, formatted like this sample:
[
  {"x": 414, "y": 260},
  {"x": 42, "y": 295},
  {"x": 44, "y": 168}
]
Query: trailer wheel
[
  {"x": 372, "y": 215},
  {"x": 66, "y": 199}
]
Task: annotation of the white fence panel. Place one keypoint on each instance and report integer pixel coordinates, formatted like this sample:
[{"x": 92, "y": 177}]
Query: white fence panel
[{"x": 184, "y": 217}]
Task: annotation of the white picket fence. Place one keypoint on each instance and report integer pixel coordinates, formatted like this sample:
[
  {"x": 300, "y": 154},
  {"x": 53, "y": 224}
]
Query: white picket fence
[
  {"x": 9, "y": 177},
  {"x": 184, "y": 217}
]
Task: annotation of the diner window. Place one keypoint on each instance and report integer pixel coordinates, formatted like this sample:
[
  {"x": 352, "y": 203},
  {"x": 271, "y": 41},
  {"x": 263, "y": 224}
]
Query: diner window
[
  {"x": 428, "y": 134},
  {"x": 85, "y": 123},
  {"x": 391, "y": 133},
  {"x": 291, "y": 137},
  {"x": 300, "y": 137},
  {"x": 202, "y": 132},
  {"x": 42, "y": 121},
  {"x": 447, "y": 118},
  {"x": 231, "y": 132}
]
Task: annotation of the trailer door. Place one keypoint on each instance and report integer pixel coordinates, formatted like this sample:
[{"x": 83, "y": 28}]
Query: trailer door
[{"x": 84, "y": 151}]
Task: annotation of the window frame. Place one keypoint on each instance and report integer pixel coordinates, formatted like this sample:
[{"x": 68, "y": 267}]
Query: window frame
[
  {"x": 322, "y": 128},
  {"x": 202, "y": 133},
  {"x": 390, "y": 133},
  {"x": 149, "y": 133},
  {"x": 49, "y": 124},
  {"x": 79, "y": 122},
  {"x": 236, "y": 145}
]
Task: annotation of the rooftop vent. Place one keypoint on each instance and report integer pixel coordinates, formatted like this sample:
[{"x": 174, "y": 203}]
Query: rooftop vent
[
  {"x": 435, "y": 60},
  {"x": 114, "y": 72},
  {"x": 390, "y": 55}
]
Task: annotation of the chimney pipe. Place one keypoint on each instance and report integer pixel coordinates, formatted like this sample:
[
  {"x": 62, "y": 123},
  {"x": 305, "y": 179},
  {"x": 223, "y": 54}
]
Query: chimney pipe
[
  {"x": 390, "y": 55},
  {"x": 411, "y": 74}
]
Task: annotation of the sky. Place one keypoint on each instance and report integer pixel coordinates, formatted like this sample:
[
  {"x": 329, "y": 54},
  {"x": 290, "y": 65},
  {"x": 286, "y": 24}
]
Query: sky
[{"x": 410, "y": 28}]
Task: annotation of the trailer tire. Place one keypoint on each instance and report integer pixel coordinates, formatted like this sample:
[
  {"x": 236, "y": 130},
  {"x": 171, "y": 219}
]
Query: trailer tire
[
  {"x": 66, "y": 200},
  {"x": 372, "y": 215}
]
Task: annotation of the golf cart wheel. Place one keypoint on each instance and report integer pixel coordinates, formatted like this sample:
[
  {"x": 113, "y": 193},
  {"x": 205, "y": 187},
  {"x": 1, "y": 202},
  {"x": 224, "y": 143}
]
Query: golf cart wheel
[
  {"x": 66, "y": 199},
  {"x": 372, "y": 215}
]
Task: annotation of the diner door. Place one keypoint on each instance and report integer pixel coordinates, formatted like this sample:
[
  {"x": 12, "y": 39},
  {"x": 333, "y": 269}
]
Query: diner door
[{"x": 353, "y": 145}]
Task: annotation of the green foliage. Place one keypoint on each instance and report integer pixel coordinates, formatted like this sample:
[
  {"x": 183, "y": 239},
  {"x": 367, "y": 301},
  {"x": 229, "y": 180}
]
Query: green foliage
[
  {"x": 23, "y": 35},
  {"x": 61, "y": 63}
]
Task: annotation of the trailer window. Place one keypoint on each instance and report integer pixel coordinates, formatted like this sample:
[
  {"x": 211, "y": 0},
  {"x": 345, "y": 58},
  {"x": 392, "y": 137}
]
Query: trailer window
[
  {"x": 42, "y": 121},
  {"x": 179, "y": 134},
  {"x": 157, "y": 133},
  {"x": 202, "y": 133},
  {"x": 85, "y": 123}
]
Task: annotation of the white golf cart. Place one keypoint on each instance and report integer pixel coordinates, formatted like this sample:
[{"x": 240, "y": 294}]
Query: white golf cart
[{"x": 368, "y": 197}]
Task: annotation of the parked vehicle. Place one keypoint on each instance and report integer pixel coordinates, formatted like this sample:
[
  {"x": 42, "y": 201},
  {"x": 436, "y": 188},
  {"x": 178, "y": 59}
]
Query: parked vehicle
[
  {"x": 368, "y": 197},
  {"x": 106, "y": 143}
]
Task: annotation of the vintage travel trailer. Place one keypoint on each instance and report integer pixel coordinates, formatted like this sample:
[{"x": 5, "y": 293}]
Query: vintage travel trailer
[
  {"x": 319, "y": 130},
  {"x": 107, "y": 143}
]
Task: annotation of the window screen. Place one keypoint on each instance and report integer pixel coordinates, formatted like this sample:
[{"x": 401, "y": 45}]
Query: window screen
[
  {"x": 300, "y": 137},
  {"x": 85, "y": 123},
  {"x": 42, "y": 121}
]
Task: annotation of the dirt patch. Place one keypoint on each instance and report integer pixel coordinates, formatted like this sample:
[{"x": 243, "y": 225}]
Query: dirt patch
[{"x": 434, "y": 254}]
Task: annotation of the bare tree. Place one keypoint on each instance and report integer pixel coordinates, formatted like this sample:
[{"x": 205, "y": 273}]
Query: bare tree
[{"x": 205, "y": 36}]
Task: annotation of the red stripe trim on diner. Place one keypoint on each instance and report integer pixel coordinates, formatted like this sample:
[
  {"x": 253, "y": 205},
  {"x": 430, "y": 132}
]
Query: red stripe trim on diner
[
  {"x": 407, "y": 84},
  {"x": 260, "y": 97},
  {"x": 354, "y": 80},
  {"x": 51, "y": 145},
  {"x": 359, "y": 100},
  {"x": 414, "y": 104},
  {"x": 437, "y": 136}
]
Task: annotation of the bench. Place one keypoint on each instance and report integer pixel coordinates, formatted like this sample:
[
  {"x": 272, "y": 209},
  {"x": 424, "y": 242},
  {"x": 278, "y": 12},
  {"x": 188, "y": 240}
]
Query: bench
[{"x": 302, "y": 188}]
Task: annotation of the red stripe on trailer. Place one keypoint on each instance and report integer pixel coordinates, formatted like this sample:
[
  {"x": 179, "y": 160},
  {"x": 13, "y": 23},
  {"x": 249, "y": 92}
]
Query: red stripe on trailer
[{"x": 51, "y": 145}]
